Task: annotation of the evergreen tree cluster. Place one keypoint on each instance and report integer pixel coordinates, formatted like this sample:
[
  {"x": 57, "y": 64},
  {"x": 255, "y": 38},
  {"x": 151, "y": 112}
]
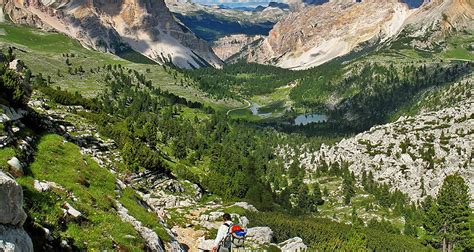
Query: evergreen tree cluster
[
  {"x": 15, "y": 86},
  {"x": 449, "y": 220},
  {"x": 241, "y": 79},
  {"x": 327, "y": 235}
]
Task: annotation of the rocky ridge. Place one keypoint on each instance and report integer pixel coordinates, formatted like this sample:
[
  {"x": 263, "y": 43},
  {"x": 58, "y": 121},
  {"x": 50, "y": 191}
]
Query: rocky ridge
[
  {"x": 146, "y": 26},
  {"x": 229, "y": 45},
  {"x": 272, "y": 14},
  {"x": 429, "y": 24},
  {"x": 413, "y": 154},
  {"x": 318, "y": 34}
]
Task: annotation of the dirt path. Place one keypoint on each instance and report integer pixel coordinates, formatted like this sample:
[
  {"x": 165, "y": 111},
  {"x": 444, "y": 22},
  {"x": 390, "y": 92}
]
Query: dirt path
[
  {"x": 188, "y": 235},
  {"x": 249, "y": 104}
]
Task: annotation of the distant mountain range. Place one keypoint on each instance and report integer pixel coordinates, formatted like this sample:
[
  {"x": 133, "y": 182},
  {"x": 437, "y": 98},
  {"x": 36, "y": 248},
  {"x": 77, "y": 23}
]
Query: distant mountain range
[
  {"x": 236, "y": 3},
  {"x": 302, "y": 39},
  {"x": 254, "y": 3}
]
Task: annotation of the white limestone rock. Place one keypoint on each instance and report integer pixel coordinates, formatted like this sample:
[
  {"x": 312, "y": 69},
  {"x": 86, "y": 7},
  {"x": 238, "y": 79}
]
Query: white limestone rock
[
  {"x": 205, "y": 245},
  {"x": 246, "y": 206},
  {"x": 40, "y": 186},
  {"x": 295, "y": 244},
  {"x": 260, "y": 235},
  {"x": 152, "y": 240},
  {"x": 71, "y": 210},
  {"x": 244, "y": 222},
  {"x": 16, "y": 65}
]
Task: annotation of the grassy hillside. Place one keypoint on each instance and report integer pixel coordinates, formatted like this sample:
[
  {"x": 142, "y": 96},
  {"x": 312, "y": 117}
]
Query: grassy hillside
[
  {"x": 72, "y": 67},
  {"x": 88, "y": 188}
]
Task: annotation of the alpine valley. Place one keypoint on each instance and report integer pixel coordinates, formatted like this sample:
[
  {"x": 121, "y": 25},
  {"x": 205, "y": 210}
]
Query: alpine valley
[{"x": 134, "y": 125}]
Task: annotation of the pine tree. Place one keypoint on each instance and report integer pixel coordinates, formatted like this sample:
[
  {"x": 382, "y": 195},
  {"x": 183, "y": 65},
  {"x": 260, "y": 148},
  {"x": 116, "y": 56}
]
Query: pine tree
[
  {"x": 449, "y": 219},
  {"x": 316, "y": 198},
  {"x": 348, "y": 188}
]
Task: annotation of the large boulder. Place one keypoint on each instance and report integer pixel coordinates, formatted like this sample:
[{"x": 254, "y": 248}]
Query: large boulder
[
  {"x": 295, "y": 244},
  {"x": 260, "y": 235},
  {"x": 12, "y": 216},
  {"x": 11, "y": 200},
  {"x": 13, "y": 239}
]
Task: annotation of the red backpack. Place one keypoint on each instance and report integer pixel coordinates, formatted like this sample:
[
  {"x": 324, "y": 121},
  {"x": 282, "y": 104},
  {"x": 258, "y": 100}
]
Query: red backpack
[{"x": 235, "y": 237}]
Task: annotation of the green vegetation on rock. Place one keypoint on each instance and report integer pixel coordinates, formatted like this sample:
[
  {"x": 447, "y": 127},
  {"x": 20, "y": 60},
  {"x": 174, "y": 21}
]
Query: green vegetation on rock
[{"x": 85, "y": 186}]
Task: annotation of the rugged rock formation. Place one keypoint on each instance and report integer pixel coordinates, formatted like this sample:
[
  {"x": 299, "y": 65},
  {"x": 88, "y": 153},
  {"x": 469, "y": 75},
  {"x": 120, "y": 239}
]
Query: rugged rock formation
[
  {"x": 227, "y": 46},
  {"x": 11, "y": 202},
  {"x": 151, "y": 238},
  {"x": 413, "y": 155},
  {"x": 293, "y": 245},
  {"x": 430, "y": 24},
  {"x": 12, "y": 217},
  {"x": 213, "y": 23},
  {"x": 317, "y": 34},
  {"x": 146, "y": 26}
]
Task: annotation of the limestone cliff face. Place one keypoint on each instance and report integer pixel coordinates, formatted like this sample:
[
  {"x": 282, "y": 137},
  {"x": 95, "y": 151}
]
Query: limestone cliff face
[
  {"x": 317, "y": 34},
  {"x": 430, "y": 24},
  {"x": 147, "y": 26},
  {"x": 229, "y": 45}
]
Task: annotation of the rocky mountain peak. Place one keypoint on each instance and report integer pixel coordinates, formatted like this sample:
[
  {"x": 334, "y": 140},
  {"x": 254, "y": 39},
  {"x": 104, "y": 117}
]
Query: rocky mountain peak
[
  {"x": 146, "y": 26},
  {"x": 318, "y": 34},
  {"x": 435, "y": 20}
]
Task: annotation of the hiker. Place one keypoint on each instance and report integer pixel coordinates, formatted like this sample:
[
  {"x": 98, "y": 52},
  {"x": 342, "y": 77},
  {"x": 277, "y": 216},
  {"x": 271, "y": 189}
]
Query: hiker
[
  {"x": 229, "y": 236},
  {"x": 222, "y": 232}
]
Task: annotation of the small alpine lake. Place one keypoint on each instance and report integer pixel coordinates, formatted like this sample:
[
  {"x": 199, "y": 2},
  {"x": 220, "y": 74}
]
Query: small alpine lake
[{"x": 305, "y": 119}]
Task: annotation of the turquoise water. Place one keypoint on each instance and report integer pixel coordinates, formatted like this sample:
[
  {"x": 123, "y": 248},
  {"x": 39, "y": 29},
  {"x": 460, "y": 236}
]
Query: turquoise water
[{"x": 309, "y": 118}]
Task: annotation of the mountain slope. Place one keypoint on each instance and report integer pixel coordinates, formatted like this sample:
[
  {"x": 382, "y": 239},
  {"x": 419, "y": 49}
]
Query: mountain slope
[
  {"x": 429, "y": 25},
  {"x": 415, "y": 153},
  {"x": 145, "y": 26},
  {"x": 318, "y": 34},
  {"x": 212, "y": 23}
]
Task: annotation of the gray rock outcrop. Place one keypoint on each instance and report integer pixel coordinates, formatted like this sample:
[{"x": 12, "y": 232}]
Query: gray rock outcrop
[
  {"x": 397, "y": 153},
  {"x": 151, "y": 238},
  {"x": 295, "y": 244},
  {"x": 260, "y": 235},
  {"x": 11, "y": 200},
  {"x": 12, "y": 216},
  {"x": 14, "y": 239}
]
